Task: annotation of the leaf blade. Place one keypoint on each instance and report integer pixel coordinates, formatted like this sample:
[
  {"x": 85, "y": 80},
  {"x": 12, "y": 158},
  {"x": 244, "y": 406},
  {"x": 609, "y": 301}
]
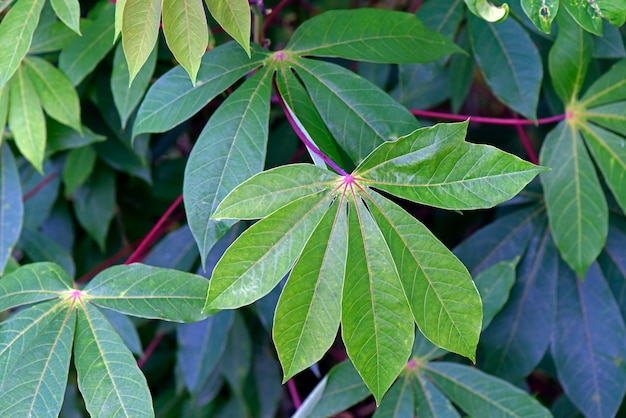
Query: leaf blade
[
  {"x": 234, "y": 17},
  {"x": 11, "y": 206},
  {"x": 140, "y": 29}
]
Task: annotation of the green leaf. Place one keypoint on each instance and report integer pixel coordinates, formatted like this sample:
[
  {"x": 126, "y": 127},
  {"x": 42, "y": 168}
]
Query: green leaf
[
  {"x": 125, "y": 327},
  {"x": 482, "y": 395},
  {"x": 461, "y": 72},
  {"x": 230, "y": 149},
  {"x": 35, "y": 383},
  {"x": 509, "y": 60},
  {"x": 429, "y": 401},
  {"x": 487, "y": 10},
  {"x": 569, "y": 58},
  {"x": 270, "y": 190},
  {"x": 610, "y": 87},
  {"x": 149, "y": 292},
  {"x": 541, "y": 13},
  {"x": 186, "y": 32},
  {"x": 61, "y": 137},
  {"x": 57, "y": 95},
  {"x": 340, "y": 389},
  {"x": 610, "y": 45},
  {"x": 140, "y": 29},
  {"x": 613, "y": 10},
  {"x": 366, "y": 112},
  {"x": 309, "y": 310},
  {"x": 574, "y": 198},
  {"x": 37, "y": 208},
  {"x": 443, "y": 16},
  {"x": 108, "y": 376},
  {"x": 16, "y": 34},
  {"x": 376, "y": 322},
  {"x": 589, "y": 330},
  {"x": 173, "y": 99},
  {"x": 127, "y": 98},
  {"x": 254, "y": 264},
  {"x": 11, "y": 206},
  {"x": 237, "y": 357},
  {"x": 494, "y": 285},
  {"x": 587, "y": 14},
  {"x": 399, "y": 401},
  {"x": 32, "y": 283},
  {"x": 445, "y": 303},
  {"x": 119, "y": 17},
  {"x": 78, "y": 166},
  {"x": 26, "y": 119},
  {"x": 436, "y": 167},
  {"x": 234, "y": 17},
  {"x": 608, "y": 116},
  {"x": 4, "y": 107},
  {"x": 94, "y": 204},
  {"x": 69, "y": 13},
  {"x": 40, "y": 247},
  {"x": 373, "y": 35},
  {"x": 51, "y": 34},
  {"x": 82, "y": 55}
]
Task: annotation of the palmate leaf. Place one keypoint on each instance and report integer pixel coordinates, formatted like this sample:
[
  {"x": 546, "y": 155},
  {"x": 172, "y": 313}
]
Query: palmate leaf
[
  {"x": 32, "y": 283},
  {"x": 396, "y": 272}
]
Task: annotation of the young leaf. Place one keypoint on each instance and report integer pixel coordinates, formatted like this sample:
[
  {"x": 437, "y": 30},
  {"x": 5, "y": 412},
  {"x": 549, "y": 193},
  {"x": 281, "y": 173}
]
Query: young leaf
[
  {"x": 587, "y": 14},
  {"x": 173, "y": 99},
  {"x": 82, "y": 55},
  {"x": 367, "y": 34},
  {"x": 57, "y": 95},
  {"x": 270, "y": 190},
  {"x": 482, "y": 395},
  {"x": 230, "y": 149},
  {"x": 541, "y": 13},
  {"x": 569, "y": 57},
  {"x": 78, "y": 167},
  {"x": 26, "y": 119},
  {"x": 369, "y": 113},
  {"x": 263, "y": 254},
  {"x": 574, "y": 198},
  {"x": 108, "y": 376},
  {"x": 589, "y": 330},
  {"x": 32, "y": 283},
  {"x": 436, "y": 167},
  {"x": 510, "y": 62},
  {"x": 69, "y": 13},
  {"x": 11, "y": 206},
  {"x": 149, "y": 292},
  {"x": 140, "y": 29},
  {"x": 309, "y": 309},
  {"x": 16, "y": 34},
  {"x": 376, "y": 322},
  {"x": 487, "y": 10},
  {"x": 440, "y": 290},
  {"x": 35, "y": 382},
  {"x": 234, "y": 17},
  {"x": 494, "y": 285},
  {"x": 186, "y": 32}
]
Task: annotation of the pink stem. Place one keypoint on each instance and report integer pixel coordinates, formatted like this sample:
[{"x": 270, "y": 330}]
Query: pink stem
[
  {"x": 532, "y": 156},
  {"x": 293, "y": 392},
  {"x": 481, "y": 119}
]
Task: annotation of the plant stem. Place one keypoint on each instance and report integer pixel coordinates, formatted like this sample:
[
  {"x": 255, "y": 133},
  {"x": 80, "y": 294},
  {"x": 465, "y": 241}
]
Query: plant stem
[
  {"x": 293, "y": 392},
  {"x": 532, "y": 156},
  {"x": 481, "y": 119}
]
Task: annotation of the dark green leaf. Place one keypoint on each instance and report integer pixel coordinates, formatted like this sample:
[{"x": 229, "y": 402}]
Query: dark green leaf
[
  {"x": 610, "y": 45},
  {"x": 429, "y": 401},
  {"x": 587, "y": 14},
  {"x": 40, "y": 247},
  {"x": 461, "y": 73},
  {"x": 399, "y": 401},
  {"x": 613, "y": 261},
  {"x": 11, "y": 206},
  {"x": 4, "y": 107},
  {"x": 177, "y": 250},
  {"x": 443, "y": 16},
  {"x": 237, "y": 356},
  {"x": 374, "y": 35},
  {"x": 125, "y": 327},
  {"x": 610, "y": 87},
  {"x": 78, "y": 167},
  {"x": 38, "y": 206},
  {"x": 494, "y": 285},
  {"x": 61, "y": 137}
]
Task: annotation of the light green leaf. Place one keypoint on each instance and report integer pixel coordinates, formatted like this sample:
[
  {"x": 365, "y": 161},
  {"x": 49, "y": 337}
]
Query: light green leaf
[
  {"x": 140, "y": 29},
  {"x": 32, "y": 283},
  {"x": 613, "y": 10},
  {"x": 440, "y": 290},
  {"x": 586, "y": 13},
  {"x": 174, "y": 99},
  {"x": 186, "y": 32},
  {"x": 26, "y": 119},
  {"x": 482, "y": 395},
  {"x": 569, "y": 58},
  {"x": 35, "y": 383},
  {"x": 230, "y": 149},
  {"x": 234, "y": 17},
  {"x": 510, "y": 62},
  {"x": 309, "y": 310},
  {"x": 366, "y": 112},
  {"x": 82, "y": 55},
  {"x": 40, "y": 247},
  {"x": 119, "y": 16},
  {"x": 78, "y": 167},
  {"x": 436, "y": 167},
  {"x": 127, "y": 98},
  {"x": 69, "y": 13},
  {"x": 494, "y": 285},
  {"x": 149, "y": 292},
  {"x": 376, "y": 322},
  {"x": 270, "y": 190},
  {"x": 487, "y": 10},
  {"x": 108, "y": 376},
  {"x": 576, "y": 205},
  {"x": 254, "y": 264},
  {"x": 610, "y": 87},
  {"x": 61, "y": 137},
  {"x": 55, "y": 90},
  {"x": 11, "y": 206},
  {"x": 367, "y": 34},
  {"x": 16, "y": 34},
  {"x": 4, "y": 108},
  {"x": 541, "y": 13}
]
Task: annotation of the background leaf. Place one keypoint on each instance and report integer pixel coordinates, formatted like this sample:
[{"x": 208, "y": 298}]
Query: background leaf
[
  {"x": 69, "y": 13},
  {"x": 494, "y": 285},
  {"x": 11, "y": 207},
  {"x": 585, "y": 14},
  {"x": 234, "y": 17},
  {"x": 140, "y": 29},
  {"x": 78, "y": 166},
  {"x": 541, "y": 13},
  {"x": 40, "y": 247}
]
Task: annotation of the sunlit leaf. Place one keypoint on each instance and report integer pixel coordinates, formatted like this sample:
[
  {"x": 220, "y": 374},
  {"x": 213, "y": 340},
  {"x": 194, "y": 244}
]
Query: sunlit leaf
[
  {"x": 586, "y": 13},
  {"x": 486, "y": 10},
  {"x": 69, "y": 13},
  {"x": 140, "y": 29},
  {"x": 234, "y": 17},
  {"x": 541, "y": 13},
  {"x": 33, "y": 282}
]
